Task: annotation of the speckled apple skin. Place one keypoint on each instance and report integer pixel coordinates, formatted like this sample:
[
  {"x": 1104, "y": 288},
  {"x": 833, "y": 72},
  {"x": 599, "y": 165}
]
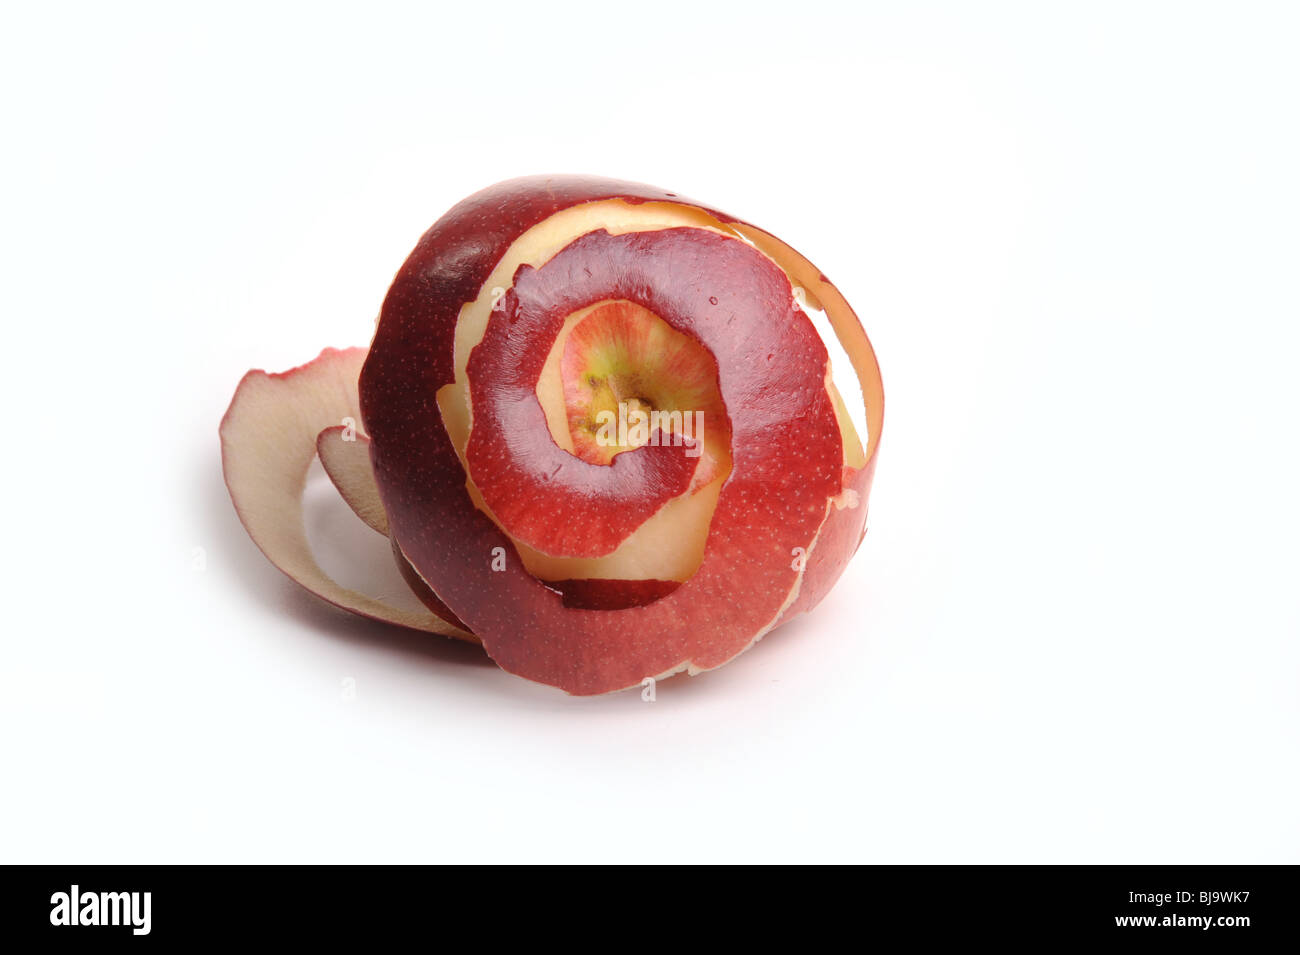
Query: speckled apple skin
[{"x": 785, "y": 443}]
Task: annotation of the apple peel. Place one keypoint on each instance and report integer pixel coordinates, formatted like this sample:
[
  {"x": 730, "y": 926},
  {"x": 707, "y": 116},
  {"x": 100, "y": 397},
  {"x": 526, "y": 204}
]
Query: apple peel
[
  {"x": 345, "y": 455},
  {"x": 268, "y": 439}
]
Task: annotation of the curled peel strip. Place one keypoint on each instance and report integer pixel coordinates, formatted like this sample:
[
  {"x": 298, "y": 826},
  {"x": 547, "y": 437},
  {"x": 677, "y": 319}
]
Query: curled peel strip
[
  {"x": 268, "y": 439},
  {"x": 774, "y": 503},
  {"x": 524, "y": 476},
  {"x": 345, "y": 455}
]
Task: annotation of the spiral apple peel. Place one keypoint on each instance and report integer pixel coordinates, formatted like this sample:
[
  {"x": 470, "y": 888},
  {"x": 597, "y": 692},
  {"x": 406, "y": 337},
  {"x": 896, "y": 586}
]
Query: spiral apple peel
[{"x": 597, "y": 425}]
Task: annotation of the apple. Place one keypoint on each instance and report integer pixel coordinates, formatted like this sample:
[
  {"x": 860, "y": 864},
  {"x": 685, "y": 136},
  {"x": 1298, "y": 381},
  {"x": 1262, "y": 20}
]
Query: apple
[{"x": 596, "y": 423}]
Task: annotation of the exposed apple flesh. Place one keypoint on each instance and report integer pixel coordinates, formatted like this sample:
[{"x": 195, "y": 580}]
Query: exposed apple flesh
[
  {"x": 268, "y": 441},
  {"x": 626, "y": 373}
]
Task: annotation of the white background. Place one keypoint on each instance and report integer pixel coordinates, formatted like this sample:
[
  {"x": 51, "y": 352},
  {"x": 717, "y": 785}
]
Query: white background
[{"x": 1072, "y": 233}]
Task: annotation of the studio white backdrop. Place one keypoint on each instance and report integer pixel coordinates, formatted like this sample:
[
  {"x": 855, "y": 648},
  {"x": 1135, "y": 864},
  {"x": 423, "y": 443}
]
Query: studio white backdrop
[{"x": 1071, "y": 232}]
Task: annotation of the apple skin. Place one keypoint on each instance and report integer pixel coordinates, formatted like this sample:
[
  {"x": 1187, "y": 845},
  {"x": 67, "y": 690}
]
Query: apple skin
[
  {"x": 603, "y": 594},
  {"x": 425, "y": 593},
  {"x": 601, "y": 504},
  {"x": 742, "y": 588}
]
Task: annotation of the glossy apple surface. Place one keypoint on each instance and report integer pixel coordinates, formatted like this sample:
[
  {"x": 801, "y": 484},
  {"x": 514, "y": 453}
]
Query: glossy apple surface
[{"x": 482, "y": 366}]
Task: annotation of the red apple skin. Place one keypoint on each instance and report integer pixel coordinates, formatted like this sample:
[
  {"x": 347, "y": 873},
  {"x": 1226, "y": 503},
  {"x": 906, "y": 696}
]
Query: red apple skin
[
  {"x": 837, "y": 542},
  {"x": 424, "y": 592},
  {"x": 602, "y": 504},
  {"x": 604, "y": 594},
  {"x": 740, "y": 589}
]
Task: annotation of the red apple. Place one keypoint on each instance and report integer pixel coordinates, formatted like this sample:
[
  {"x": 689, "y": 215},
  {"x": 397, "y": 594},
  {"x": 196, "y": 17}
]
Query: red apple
[
  {"x": 471, "y": 318},
  {"x": 603, "y": 434}
]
